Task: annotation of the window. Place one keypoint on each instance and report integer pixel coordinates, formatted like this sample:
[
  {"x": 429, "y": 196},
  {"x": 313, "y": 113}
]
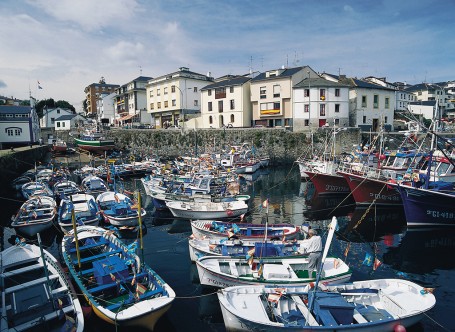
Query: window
[
  {"x": 58, "y": 111},
  {"x": 9, "y": 132},
  {"x": 209, "y": 91},
  {"x": 174, "y": 103},
  {"x": 158, "y": 93},
  {"x": 231, "y": 89},
  {"x": 337, "y": 108},
  {"x": 337, "y": 122},
  {"x": 420, "y": 93},
  {"x": 232, "y": 104},
  {"x": 385, "y": 120},
  {"x": 58, "y": 124},
  {"x": 322, "y": 109},
  {"x": 195, "y": 89},
  {"x": 172, "y": 88},
  {"x": 364, "y": 119},
  {"x": 322, "y": 94},
  {"x": 152, "y": 106},
  {"x": 166, "y": 104},
  {"x": 158, "y": 105},
  {"x": 196, "y": 103},
  {"x": 262, "y": 92},
  {"x": 306, "y": 93},
  {"x": 276, "y": 91},
  {"x": 364, "y": 101},
  {"x": 387, "y": 102},
  {"x": 306, "y": 108},
  {"x": 210, "y": 106},
  {"x": 17, "y": 132},
  {"x": 165, "y": 90},
  {"x": 307, "y": 122},
  {"x": 210, "y": 119},
  {"x": 232, "y": 118},
  {"x": 337, "y": 92},
  {"x": 220, "y": 106},
  {"x": 276, "y": 106},
  {"x": 375, "y": 101},
  {"x": 52, "y": 120},
  {"x": 63, "y": 125},
  {"x": 220, "y": 93}
]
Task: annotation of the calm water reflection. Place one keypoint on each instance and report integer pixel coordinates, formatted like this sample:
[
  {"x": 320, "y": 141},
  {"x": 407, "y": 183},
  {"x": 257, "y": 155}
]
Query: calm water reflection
[{"x": 422, "y": 256}]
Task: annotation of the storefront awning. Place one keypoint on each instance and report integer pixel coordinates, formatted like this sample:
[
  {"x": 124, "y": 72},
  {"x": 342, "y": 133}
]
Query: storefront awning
[{"x": 126, "y": 117}]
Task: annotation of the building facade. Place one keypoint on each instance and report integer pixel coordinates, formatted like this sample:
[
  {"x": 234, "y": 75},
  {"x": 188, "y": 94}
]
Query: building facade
[
  {"x": 92, "y": 94},
  {"x": 319, "y": 102},
  {"x": 50, "y": 114},
  {"x": 19, "y": 125},
  {"x": 271, "y": 95},
  {"x": 226, "y": 103},
  {"x": 175, "y": 97},
  {"x": 130, "y": 99},
  {"x": 66, "y": 122}
]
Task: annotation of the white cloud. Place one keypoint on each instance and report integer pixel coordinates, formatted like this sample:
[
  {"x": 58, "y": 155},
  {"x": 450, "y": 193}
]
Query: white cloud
[{"x": 88, "y": 14}]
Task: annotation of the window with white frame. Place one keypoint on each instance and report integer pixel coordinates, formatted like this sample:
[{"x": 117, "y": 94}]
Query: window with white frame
[
  {"x": 262, "y": 92},
  {"x": 276, "y": 90},
  {"x": 322, "y": 109},
  {"x": 232, "y": 104},
  {"x": 306, "y": 108}
]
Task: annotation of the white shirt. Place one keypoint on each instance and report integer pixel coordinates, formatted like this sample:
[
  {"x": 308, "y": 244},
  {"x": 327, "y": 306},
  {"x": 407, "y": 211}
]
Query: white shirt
[{"x": 310, "y": 245}]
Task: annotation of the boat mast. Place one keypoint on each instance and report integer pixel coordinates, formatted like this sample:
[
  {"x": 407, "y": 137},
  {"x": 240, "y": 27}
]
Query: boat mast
[{"x": 332, "y": 227}]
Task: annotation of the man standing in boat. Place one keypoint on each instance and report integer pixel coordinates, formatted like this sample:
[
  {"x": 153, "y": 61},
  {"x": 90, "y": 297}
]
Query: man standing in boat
[{"x": 313, "y": 247}]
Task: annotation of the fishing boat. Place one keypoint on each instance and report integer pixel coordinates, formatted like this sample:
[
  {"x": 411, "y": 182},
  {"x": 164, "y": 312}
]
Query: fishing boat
[
  {"x": 370, "y": 305},
  {"x": 241, "y": 248},
  {"x": 432, "y": 206},
  {"x": 59, "y": 146},
  {"x": 65, "y": 188},
  {"x": 86, "y": 211},
  {"x": 36, "y": 188},
  {"x": 93, "y": 185},
  {"x": 224, "y": 271},
  {"x": 222, "y": 229},
  {"x": 121, "y": 289},
  {"x": 94, "y": 141},
  {"x": 35, "y": 215},
  {"x": 36, "y": 294},
  {"x": 118, "y": 209},
  {"x": 207, "y": 210}
]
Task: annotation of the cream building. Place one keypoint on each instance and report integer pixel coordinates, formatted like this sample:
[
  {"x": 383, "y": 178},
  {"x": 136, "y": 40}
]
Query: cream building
[
  {"x": 226, "y": 103},
  {"x": 175, "y": 96},
  {"x": 271, "y": 96}
]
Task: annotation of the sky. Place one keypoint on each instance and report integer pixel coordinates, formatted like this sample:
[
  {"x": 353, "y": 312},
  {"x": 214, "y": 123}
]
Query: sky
[{"x": 66, "y": 45}]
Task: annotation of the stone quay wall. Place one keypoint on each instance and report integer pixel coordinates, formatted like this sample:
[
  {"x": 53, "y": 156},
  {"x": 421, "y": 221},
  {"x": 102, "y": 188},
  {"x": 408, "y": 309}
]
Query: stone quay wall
[{"x": 282, "y": 146}]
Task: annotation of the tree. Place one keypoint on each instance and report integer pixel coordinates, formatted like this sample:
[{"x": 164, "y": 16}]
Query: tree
[{"x": 65, "y": 104}]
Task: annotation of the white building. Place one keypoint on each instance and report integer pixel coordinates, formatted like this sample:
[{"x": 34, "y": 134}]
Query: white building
[
  {"x": 226, "y": 103},
  {"x": 319, "y": 102},
  {"x": 106, "y": 108},
  {"x": 19, "y": 125},
  {"x": 50, "y": 114},
  {"x": 173, "y": 97},
  {"x": 402, "y": 97},
  {"x": 424, "y": 109},
  {"x": 130, "y": 99},
  {"x": 271, "y": 95},
  {"x": 66, "y": 122},
  {"x": 370, "y": 105}
]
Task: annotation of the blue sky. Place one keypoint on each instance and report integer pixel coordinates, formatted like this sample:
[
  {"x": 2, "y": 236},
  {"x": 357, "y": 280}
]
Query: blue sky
[{"x": 69, "y": 44}]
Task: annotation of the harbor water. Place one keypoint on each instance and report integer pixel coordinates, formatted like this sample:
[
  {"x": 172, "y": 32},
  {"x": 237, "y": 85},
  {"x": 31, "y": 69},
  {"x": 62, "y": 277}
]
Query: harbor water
[{"x": 419, "y": 255}]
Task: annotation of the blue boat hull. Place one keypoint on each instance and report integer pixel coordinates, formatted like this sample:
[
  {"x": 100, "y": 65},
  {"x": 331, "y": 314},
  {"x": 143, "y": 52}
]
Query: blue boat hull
[{"x": 424, "y": 207}]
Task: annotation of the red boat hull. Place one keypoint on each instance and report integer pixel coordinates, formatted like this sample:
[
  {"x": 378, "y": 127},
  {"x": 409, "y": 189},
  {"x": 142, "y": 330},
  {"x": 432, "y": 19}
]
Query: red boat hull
[
  {"x": 327, "y": 184},
  {"x": 371, "y": 191}
]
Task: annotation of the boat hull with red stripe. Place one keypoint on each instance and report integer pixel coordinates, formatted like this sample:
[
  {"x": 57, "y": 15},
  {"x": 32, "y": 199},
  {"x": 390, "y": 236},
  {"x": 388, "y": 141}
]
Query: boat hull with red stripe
[{"x": 328, "y": 184}]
